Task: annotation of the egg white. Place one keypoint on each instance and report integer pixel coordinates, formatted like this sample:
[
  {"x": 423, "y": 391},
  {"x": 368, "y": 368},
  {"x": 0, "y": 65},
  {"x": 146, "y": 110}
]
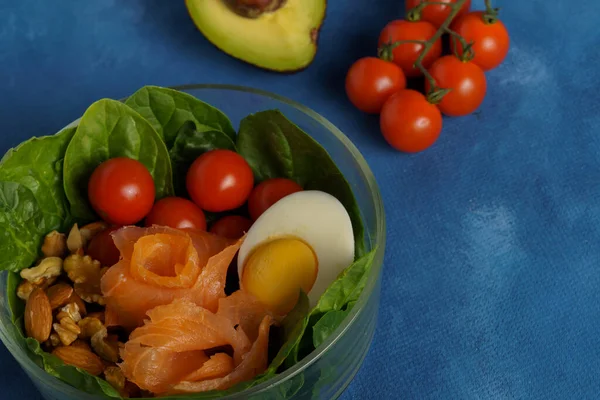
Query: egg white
[{"x": 317, "y": 218}]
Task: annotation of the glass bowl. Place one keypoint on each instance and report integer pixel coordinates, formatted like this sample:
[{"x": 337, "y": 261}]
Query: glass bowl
[{"x": 327, "y": 371}]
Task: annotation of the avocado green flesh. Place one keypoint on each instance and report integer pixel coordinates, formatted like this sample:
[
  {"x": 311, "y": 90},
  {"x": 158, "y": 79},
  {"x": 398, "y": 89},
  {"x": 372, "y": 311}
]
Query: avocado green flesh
[{"x": 283, "y": 40}]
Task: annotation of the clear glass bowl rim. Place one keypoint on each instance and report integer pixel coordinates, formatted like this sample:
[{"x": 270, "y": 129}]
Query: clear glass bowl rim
[{"x": 377, "y": 240}]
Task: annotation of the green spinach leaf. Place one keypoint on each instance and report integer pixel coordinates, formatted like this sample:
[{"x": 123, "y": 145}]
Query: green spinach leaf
[
  {"x": 327, "y": 377},
  {"x": 110, "y": 129},
  {"x": 15, "y": 304},
  {"x": 22, "y": 224},
  {"x": 347, "y": 287},
  {"x": 276, "y": 147},
  {"x": 32, "y": 200},
  {"x": 37, "y": 165},
  {"x": 167, "y": 110},
  {"x": 333, "y": 306},
  {"x": 294, "y": 325},
  {"x": 326, "y": 325},
  {"x": 189, "y": 144},
  {"x": 291, "y": 387}
]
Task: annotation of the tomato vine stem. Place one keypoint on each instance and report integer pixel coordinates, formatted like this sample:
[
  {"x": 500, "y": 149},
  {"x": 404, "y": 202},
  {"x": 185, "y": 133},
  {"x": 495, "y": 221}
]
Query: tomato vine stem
[
  {"x": 467, "y": 53},
  {"x": 385, "y": 52},
  {"x": 435, "y": 93},
  {"x": 414, "y": 14},
  {"x": 491, "y": 14}
]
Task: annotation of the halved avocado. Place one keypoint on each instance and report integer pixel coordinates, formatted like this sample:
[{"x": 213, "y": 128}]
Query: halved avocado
[{"x": 279, "y": 35}]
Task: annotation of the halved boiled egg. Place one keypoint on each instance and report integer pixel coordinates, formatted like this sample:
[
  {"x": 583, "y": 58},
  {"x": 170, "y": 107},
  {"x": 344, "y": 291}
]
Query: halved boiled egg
[{"x": 302, "y": 242}]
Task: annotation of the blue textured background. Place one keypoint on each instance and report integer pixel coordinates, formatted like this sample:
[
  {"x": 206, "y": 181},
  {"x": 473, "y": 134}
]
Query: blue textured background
[{"x": 492, "y": 285}]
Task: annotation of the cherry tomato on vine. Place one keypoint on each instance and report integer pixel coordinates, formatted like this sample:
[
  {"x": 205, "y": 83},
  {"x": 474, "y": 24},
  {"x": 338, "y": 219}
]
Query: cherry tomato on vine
[
  {"x": 231, "y": 226},
  {"x": 437, "y": 13},
  {"x": 102, "y": 248},
  {"x": 269, "y": 192},
  {"x": 409, "y": 122},
  {"x": 370, "y": 81},
  {"x": 490, "y": 39},
  {"x": 121, "y": 191},
  {"x": 466, "y": 80},
  {"x": 406, "y": 54},
  {"x": 178, "y": 213},
  {"x": 219, "y": 180}
]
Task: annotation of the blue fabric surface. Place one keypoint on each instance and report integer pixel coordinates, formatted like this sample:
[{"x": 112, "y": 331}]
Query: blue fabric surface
[{"x": 491, "y": 283}]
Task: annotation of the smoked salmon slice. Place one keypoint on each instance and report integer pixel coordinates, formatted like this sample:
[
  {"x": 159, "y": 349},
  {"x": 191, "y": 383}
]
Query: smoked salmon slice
[
  {"x": 161, "y": 264},
  {"x": 244, "y": 310},
  {"x": 167, "y": 354},
  {"x": 254, "y": 363},
  {"x": 218, "y": 366}
]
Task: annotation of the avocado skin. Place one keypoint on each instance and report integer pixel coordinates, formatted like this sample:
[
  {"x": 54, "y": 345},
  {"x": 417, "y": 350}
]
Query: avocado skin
[{"x": 282, "y": 71}]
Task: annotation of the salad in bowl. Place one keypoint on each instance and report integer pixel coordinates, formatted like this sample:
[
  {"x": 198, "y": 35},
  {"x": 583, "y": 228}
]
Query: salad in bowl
[{"x": 152, "y": 250}]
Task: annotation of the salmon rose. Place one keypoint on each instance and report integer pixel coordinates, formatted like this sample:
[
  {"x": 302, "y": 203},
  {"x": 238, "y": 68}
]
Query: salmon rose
[{"x": 158, "y": 265}]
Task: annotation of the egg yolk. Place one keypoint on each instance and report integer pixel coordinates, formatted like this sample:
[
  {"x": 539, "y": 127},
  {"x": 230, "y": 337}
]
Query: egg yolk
[{"x": 275, "y": 272}]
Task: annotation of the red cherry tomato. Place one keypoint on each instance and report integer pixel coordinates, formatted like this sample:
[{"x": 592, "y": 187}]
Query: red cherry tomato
[
  {"x": 231, "y": 226},
  {"x": 102, "y": 248},
  {"x": 370, "y": 81},
  {"x": 177, "y": 213},
  {"x": 466, "y": 80},
  {"x": 409, "y": 122},
  {"x": 437, "y": 13},
  {"x": 269, "y": 192},
  {"x": 406, "y": 54},
  {"x": 219, "y": 180},
  {"x": 121, "y": 190},
  {"x": 490, "y": 40}
]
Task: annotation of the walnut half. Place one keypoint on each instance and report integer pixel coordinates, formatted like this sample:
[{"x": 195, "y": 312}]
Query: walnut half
[
  {"x": 114, "y": 376},
  {"x": 48, "y": 268},
  {"x": 89, "y": 327},
  {"x": 70, "y": 311},
  {"x": 67, "y": 329},
  {"x": 105, "y": 347},
  {"x": 86, "y": 274},
  {"x": 24, "y": 290}
]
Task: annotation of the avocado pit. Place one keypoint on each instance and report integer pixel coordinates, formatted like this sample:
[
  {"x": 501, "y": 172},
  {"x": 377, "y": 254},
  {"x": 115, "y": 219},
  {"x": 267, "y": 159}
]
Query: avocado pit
[{"x": 253, "y": 8}]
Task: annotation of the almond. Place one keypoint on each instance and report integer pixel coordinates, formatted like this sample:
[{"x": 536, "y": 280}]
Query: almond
[
  {"x": 55, "y": 245},
  {"x": 38, "y": 316},
  {"x": 59, "y": 295},
  {"x": 82, "y": 344},
  {"x": 75, "y": 240},
  {"x": 80, "y": 358}
]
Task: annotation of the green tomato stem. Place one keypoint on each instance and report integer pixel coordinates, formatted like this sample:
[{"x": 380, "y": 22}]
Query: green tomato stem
[
  {"x": 490, "y": 16},
  {"x": 432, "y": 3},
  {"x": 386, "y": 51},
  {"x": 467, "y": 48},
  {"x": 414, "y": 14},
  {"x": 434, "y": 97},
  {"x": 435, "y": 93}
]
